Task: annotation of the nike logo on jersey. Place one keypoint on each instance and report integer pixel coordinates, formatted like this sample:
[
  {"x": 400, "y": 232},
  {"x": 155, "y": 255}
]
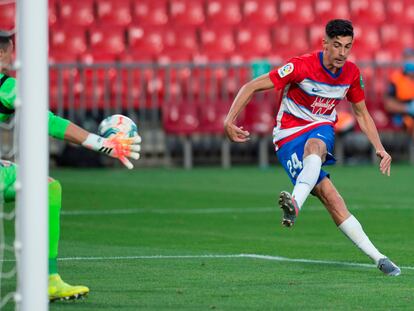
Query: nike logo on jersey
[
  {"x": 315, "y": 90},
  {"x": 320, "y": 135}
]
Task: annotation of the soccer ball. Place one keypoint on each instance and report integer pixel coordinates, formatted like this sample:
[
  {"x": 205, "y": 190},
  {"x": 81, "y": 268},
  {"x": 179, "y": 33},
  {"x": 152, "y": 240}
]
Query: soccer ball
[{"x": 116, "y": 124}]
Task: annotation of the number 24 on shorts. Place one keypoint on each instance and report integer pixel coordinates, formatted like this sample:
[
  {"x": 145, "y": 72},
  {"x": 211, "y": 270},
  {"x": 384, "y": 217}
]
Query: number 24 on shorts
[{"x": 294, "y": 164}]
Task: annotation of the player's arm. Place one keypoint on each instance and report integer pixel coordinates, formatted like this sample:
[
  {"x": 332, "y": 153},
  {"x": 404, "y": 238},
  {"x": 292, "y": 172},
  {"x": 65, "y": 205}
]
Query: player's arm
[
  {"x": 367, "y": 125},
  {"x": 116, "y": 147},
  {"x": 235, "y": 133}
]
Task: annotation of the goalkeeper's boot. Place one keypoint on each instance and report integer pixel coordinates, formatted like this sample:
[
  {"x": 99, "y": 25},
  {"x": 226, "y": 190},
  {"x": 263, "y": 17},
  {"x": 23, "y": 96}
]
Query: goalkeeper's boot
[
  {"x": 388, "y": 267},
  {"x": 290, "y": 209},
  {"x": 59, "y": 290}
]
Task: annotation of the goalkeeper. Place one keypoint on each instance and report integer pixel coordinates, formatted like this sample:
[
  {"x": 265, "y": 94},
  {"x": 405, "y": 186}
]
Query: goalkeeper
[{"x": 60, "y": 128}]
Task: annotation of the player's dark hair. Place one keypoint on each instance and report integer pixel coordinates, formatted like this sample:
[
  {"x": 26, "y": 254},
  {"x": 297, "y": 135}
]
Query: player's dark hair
[
  {"x": 339, "y": 27},
  {"x": 4, "y": 43},
  {"x": 5, "y": 39}
]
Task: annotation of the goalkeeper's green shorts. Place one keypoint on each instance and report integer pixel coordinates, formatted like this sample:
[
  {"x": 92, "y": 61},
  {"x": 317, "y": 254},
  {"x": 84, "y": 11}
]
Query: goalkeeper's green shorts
[{"x": 7, "y": 180}]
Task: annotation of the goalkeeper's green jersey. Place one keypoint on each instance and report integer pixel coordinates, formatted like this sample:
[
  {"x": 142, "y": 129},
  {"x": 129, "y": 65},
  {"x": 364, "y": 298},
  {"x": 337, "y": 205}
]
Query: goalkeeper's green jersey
[{"x": 57, "y": 125}]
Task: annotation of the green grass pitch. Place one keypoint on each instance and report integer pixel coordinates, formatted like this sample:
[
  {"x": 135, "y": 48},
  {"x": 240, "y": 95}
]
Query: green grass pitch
[{"x": 170, "y": 239}]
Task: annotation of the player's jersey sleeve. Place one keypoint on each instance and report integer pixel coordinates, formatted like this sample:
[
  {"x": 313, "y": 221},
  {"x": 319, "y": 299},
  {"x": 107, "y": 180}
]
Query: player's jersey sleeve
[
  {"x": 57, "y": 126},
  {"x": 292, "y": 71},
  {"x": 7, "y": 99},
  {"x": 356, "y": 90}
]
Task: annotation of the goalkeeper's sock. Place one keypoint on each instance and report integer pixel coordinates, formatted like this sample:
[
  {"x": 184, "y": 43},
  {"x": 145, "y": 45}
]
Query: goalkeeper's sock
[
  {"x": 353, "y": 230},
  {"x": 53, "y": 266},
  {"x": 307, "y": 178},
  {"x": 55, "y": 203}
]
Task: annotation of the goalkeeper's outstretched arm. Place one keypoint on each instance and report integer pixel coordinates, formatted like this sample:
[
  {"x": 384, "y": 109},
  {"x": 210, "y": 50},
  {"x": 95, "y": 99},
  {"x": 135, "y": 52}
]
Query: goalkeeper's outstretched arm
[{"x": 116, "y": 146}]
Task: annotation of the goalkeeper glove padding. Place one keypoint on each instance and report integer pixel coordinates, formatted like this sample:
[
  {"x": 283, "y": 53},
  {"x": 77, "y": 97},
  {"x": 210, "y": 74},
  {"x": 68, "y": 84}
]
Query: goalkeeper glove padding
[{"x": 116, "y": 146}]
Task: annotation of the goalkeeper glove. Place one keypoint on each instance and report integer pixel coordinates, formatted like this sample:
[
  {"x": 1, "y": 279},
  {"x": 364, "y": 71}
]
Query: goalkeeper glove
[{"x": 115, "y": 146}]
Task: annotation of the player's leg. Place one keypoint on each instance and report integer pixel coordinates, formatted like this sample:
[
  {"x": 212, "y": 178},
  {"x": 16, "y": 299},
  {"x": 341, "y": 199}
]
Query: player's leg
[
  {"x": 55, "y": 203},
  {"x": 350, "y": 226},
  {"x": 302, "y": 159},
  {"x": 58, "y": 289},
  {"x": 314, "y": 155}
]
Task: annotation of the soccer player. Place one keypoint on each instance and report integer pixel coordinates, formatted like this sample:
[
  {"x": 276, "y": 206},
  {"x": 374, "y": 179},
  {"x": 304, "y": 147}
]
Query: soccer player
[
  {"x": 313, "y": 84},
  {"x": 61, "y": 129}
]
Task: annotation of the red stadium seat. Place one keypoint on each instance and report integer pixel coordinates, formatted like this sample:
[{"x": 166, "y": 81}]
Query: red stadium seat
[
  {"x": 388, "y": 55},
  {"x": 63, "y": 85},
  {"x": 290, "y": 41},
  {"x": 107, "y": 40},
  {"x": 217, "y": 40},
  {"x": 181, "y": 38},
  {"x": 129, "y": 88},
  {"x": 7, "y": 16},
  {"x": 326, "y": 10},
  {"x": 111, "y": 12},
  {"x": 52, "y": 13},
  {"x": 203, "y": 57},
  {"x": 136, "y": 56},
  {"x": 260, "y": 117},
  {"x": 96, "y": 87},
  {"x": 62, "y": 56},
  {"x": 296, "y": 11},
  {"x": 75, "y": 12},
  {"x": 395, "y": 36},
  {"x": 149, "y": 39},
  {"x": 367, "y": 11},
  {"x": 409, "y": 12},
  {"x": 367, "y": 38},
  {"x": 212, "y": 115},
  {"x": 253, "y": 40},
  {"x": 150, "y": 12},
  {"x": 223, "y": 12},
  {"x": 205, "y": 80},
  {"x": 260, "y": 12},
  {"x": 395, "y": 11},
  {"x": 180, "y": 117},
  {"x": 184, "y": 12},
  {"x": 316, "y": 35},
  {"x": 69, "y": 39},
  {"x": 400, "y": 12},
  {"x": 361, "y": 54}
]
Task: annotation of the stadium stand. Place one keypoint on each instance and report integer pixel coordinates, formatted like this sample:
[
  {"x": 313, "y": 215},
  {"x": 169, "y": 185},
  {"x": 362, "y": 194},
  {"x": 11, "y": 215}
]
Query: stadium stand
[
  {"x": 260, "y": 12},
  {"x": 114, "y": 12},
  {"x": 148, "y": 12},
  {"x": 187, "y": 13},
  {"x": 74, "y": 12}
]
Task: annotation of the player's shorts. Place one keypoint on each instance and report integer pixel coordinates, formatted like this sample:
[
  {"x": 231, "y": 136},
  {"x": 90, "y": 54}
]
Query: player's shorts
[
  {"x": 7, "y": 180},
  {"x": 290, "y": 155}
]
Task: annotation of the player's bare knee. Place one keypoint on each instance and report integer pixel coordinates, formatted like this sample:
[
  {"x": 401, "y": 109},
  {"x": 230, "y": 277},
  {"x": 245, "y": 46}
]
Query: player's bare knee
[{"x": 315, "y": 146}]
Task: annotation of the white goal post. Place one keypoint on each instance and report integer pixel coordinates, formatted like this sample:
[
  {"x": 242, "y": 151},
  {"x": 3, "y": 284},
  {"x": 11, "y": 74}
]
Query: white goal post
[{"x": 32, "y": 193}]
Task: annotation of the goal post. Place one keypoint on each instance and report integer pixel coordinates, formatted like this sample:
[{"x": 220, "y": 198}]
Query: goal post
[{"x": 32, "y": 182}]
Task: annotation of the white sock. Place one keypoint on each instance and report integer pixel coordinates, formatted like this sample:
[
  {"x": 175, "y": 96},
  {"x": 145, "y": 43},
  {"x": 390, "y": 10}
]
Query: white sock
[
  {"x": 307, "y": 178},
  {"x": 353, "y": 230}
]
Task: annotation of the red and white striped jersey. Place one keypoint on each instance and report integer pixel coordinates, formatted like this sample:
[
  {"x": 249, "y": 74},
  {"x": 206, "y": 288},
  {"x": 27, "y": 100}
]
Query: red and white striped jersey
[{"x": 310, "y": 94}]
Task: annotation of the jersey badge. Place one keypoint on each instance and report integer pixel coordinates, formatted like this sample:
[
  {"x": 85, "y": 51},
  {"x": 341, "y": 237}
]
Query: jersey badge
[{"x": 285, "y": 70}]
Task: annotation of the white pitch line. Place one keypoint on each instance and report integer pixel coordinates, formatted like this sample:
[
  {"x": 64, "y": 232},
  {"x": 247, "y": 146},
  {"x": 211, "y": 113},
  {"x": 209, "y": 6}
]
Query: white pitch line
[
  {"x": 212, "y": 256},
  {"x": 218, "y": 256},
  {"x": 129, "y": 211},
  {"x": 201, "y": 211}
]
